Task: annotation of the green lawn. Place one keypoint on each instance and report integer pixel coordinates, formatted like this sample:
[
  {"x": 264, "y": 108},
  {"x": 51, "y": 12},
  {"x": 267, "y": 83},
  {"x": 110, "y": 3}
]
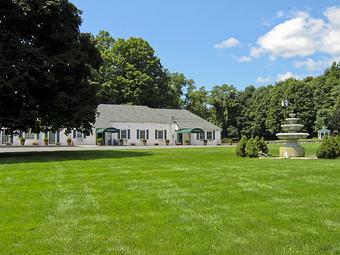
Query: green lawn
[{"x": 168, "y": 201}]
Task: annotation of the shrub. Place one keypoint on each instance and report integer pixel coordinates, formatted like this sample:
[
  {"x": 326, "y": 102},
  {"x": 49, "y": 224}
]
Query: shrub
[
  {"x": 187, "y": 141},
  {"x": 167, "y": 141},
  {"x": 263, "y": 146},
  {"x": 69, "y": 141},
  {"x": 35, "y": 143},
  {"x": 121, "y": 142},
  {"x": 99, "y": 141},
  {"x": 144, "y": 141},
  {"x": 326, "y": 149},
  {"x": 241, "y": 147},
  {"x": 251, "y": 149},
  {"x": 257, "y": 142},
  {"x": 22, "y": 140},
  {"x": 337, "y": 151},
  {"x": 205, "y": 142}
]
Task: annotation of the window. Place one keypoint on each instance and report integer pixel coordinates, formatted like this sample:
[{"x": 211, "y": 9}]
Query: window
[
  {"x": 4, "y": 137},
  {"x": 80, "y": 135},
  {"x": 29, "y": 136},
  {"x": 123, "y": 133},
  {"x": 201, "y": 136},
  {"x": 142, "y": 134},
  {"x": 209, "y": 135},
  {"x": 160, "y": 134}
]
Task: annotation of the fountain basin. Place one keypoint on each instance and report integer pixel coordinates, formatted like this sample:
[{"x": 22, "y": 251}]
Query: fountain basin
[
  {"x": 292, "y": 120},
  {"x": 292, "y": 136},
  {"x": 292, "y": 127}
]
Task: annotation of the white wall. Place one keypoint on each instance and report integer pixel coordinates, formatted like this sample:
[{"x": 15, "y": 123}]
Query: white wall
[
  {"x": 62, "y": 139},
  {"x": 91, "y": 139},
  {"x": 171, "y": 134}
]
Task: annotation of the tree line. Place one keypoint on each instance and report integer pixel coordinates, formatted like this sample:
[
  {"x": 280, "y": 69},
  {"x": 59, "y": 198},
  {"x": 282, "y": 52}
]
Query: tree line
[
  {"x": 53, "y": 77},
  {"x": 132, "y": 74}
]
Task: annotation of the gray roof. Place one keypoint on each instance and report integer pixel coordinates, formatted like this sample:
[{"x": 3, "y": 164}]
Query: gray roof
[{"x": 109, "y": 113}]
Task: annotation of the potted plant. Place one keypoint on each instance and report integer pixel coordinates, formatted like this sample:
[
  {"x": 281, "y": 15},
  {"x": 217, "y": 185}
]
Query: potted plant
[
  {"x": 144, "y": 141},
  {"x": 205, "y": 141},
  {"x": 187, "y": 142},
  {"x": 121, "y": 142},
  {"x": 22, "y": 140},
  {"x": 99, "y": 141},
  {"x": 46, "y": 141},
  {"x": 69, "y": 141},
  {"x": 167, "y": 142}
]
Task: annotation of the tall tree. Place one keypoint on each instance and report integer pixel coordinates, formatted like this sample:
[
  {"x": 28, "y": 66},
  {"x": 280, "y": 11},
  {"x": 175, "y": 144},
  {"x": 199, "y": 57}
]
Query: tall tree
[
  {"x": 131, "y": 73},
  {"x": 196, "y": 100},
  {"x": 45, "y": 67},
  {"x": 223, "y": 99}
]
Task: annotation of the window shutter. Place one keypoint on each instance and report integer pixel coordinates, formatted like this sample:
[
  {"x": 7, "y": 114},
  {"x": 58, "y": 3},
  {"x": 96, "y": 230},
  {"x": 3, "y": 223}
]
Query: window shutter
[
  {"x": 165, "y": 134},
  {"x": 119, "y": 133},
  {"x": 128, "y": 133},
  {"x": 147, "y": 134},
  {"x": 74, "y": 133},
  {"x": 38, "y": 136},
  {"x": 198, "y": 136},
  {"x": 156, "y": 134},
  {"x": 214, "y": 135},
  {"x": 58, "y": 137},
  {"x": 137, "y": 133},
  {"x": 84, "y": 136}
]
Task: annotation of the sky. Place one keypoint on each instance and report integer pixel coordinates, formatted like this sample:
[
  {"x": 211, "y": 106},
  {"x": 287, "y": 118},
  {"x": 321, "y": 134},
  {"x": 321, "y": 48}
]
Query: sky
[{"x": 215, "y": 42}]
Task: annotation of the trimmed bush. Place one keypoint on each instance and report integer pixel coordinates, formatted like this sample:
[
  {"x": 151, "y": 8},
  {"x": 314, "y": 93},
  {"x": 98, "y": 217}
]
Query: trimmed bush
[
  {"x": 263, "y": 146},
  {"x": 327, "y": 148},
  {"x": 251, "y": 149},
  {"x": 241, "y": 147},
  {"x": 336, "y": 144}
]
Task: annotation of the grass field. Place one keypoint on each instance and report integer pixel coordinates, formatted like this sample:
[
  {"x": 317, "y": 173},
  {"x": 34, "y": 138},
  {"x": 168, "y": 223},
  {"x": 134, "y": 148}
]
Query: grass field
[{"x": 168, "y": 201}]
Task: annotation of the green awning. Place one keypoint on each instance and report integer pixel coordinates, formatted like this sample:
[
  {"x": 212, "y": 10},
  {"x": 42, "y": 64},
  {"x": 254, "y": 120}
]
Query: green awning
[
  {"x": 110, "y": 129},
  {"x": 189, "y": 130}
]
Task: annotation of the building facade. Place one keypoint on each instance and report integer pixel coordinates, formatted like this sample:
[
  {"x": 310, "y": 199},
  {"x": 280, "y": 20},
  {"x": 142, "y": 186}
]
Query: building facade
[{"x": 132, "y": 125}]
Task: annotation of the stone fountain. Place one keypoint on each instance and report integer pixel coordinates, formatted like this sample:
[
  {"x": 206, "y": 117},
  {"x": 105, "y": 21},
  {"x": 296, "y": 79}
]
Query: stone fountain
[{"x": 291, "y": 148}]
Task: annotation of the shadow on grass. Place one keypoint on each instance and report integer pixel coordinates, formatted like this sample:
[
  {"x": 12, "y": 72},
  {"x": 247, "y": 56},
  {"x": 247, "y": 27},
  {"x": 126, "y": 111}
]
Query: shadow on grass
[{"x": 49, "y": 156}]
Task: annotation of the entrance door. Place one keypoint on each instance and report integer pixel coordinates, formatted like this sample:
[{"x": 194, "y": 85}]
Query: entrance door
[{"x": 180, "y": 138}]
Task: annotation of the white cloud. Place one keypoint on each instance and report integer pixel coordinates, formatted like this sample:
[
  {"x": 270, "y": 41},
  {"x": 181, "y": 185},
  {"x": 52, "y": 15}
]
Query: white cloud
[
  {"x": 280, "y": 14},
  {"x": 333, "y": 15},
  {"x": 261, "y": 79},
  {"x": 315, "y": 65},
  {"x": 301, "y": 35},
  {"x": 230, "y": 42},
  {"x": 285, "y": 76},
  {"x": 312, "y": 65},
  {"x": 294, "y": 37},
  {"x": 244, "y": 59}
]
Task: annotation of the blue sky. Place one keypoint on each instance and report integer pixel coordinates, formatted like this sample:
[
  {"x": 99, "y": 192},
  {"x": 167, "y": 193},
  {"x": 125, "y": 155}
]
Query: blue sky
[{"x": 234, "y": 42}]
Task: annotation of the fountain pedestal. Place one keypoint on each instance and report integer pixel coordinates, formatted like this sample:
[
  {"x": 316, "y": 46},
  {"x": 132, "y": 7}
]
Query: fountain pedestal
[
  {"x": 288, "y": 150},
  {"x": 291, "y": 147}
]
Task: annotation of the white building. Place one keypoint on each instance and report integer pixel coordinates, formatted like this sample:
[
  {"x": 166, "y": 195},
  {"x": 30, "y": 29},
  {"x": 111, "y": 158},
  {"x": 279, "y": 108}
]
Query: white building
[{"x": 133, "y": 125}]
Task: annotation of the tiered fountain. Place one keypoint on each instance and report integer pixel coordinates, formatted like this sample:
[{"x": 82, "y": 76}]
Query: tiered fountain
[{"x": 291, "y": 148}]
